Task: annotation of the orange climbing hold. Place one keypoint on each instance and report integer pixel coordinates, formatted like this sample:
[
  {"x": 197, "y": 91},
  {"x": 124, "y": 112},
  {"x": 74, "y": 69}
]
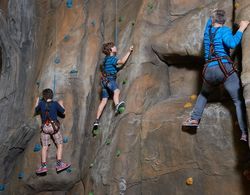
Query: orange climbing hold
[
  {"x": 193, "y": 97},
  {"x": 189, "y": 181},
  {"x": 188, "y": 105}
]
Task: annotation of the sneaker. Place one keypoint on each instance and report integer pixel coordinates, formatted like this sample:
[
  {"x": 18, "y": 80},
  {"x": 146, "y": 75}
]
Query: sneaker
[
  {"x": 42, "y": 169},
  {"x": 96, "y": 124},
  {"x": 243, "y": 137},
  {"x": 190, "y": 123},
  {"x": 62, "y": 166},
  {"x": 120, "y": 107}
]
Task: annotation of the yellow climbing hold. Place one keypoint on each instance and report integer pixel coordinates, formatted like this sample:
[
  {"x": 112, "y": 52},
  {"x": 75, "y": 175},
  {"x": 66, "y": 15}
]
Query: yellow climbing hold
[
  {"x": 188, "y": 105},
  {"x": 193, "y": 97},
  {"x": 189, "y": 181},
  {"x": 236, "y": 5}
]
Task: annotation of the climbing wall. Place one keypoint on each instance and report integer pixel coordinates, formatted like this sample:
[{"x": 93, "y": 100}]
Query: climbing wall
[{"x": 142, "y": 151}]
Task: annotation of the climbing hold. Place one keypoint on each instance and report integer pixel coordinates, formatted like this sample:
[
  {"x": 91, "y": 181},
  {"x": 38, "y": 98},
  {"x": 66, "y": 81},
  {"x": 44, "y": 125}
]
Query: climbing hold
[
  {"x": 122, "y": 186},
  {"x": 124, "y": 82},
  {"x": 73, "y": 72},
  {"x": 91, "y": 165},
  {"x": 108, "y": 141},
  {"x": 121, "y": 109},
  {"x": 118, "y": 153},
  {"x": 133, "y": 23},
  {"x": 2, "y": 187},
  {"x": 150, "y": 7},
  {"x": 69, "y": 170},
  {"x": 236, "y": 5},
  {"x": 189, "y": 181},
  {"x": 65, "y": 140},
  {"x": 66, "y": 38},
  {"x": 38, "y": 83},
  {"x": 91, "y": 193},
  {"x": 95, "y": 132},
  {"x": 193, "y": 97},
  {"x": 37, "y": 148},
  {"x": 188, "y": 105},
  {"x": 20, "y": 175},
  {"x": 69, "y": 3},
  {"x": 57, "y": 60},
  {"x": 121, "y": 19},
  {"x": 93, "y": 23}
]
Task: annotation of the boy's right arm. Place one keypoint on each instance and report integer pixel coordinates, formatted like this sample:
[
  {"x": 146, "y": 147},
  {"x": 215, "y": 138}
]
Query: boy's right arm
[{"x": 125, "y": 58}]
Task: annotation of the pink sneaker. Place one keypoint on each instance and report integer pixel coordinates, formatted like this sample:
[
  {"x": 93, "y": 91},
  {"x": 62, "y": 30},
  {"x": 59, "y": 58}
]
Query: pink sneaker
[
  {"x": 62, "y": 167},
  {"x": 42, "y": 170}
]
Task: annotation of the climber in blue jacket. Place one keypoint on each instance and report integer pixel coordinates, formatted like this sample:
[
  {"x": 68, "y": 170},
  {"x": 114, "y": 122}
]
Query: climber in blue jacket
[{"x": 219, "y": 69}]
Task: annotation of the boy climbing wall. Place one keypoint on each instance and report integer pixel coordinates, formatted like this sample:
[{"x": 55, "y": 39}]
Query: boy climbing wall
[
  {"x": 108, "y": 80},
  {"x": 48, "y": 110}
]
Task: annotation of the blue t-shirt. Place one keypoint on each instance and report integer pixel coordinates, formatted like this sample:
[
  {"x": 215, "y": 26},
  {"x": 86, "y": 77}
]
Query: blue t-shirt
[
  {"x": 109, "y": 65},
  {"x": 223, "y": 41},
  {"x": 54, "y": 109}
]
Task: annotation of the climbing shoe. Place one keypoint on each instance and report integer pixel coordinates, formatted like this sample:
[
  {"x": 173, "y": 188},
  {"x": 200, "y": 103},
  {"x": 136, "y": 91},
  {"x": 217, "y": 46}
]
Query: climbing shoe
[
  {"x": 190, "y": 123},
  {"x": 62, "y": 166},
  {"x": 120, "y": 108},
  {"x": 42, "y": 169},
  {"x": 96, "y": 124},
  {"x": 243, "y": 137}
]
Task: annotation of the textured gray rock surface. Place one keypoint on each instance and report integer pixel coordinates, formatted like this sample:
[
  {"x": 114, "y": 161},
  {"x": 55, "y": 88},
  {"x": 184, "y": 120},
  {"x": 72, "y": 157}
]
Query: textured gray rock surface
[{"x": 148, "y": 147}]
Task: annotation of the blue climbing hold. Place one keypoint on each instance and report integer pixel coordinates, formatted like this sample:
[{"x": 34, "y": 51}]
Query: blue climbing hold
[
  {"x": 69, "y": 3},
  {"x": 20, "y": 175},
  {"x": 2, "y": 187},
  {"x": 65, "y": 140},
  {"x": 57, "y": 60},
  {"x": 37, "y": 148},
  {"x": 66, "y": 38}
]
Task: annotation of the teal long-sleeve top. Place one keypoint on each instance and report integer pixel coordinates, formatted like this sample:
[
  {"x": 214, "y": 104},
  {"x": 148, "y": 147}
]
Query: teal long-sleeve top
[{"x": 224, "y": 40}]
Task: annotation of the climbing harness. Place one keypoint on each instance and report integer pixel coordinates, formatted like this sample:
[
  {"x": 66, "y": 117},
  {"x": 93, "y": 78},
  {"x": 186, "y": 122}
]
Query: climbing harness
[
  {"x": 214, "y": 57},
  {"x": 49, "y": 126}
]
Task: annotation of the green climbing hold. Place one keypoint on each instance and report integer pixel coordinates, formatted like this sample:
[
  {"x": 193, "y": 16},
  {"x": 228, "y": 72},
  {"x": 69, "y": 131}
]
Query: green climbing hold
[
  {"x": 118, "y": 153},
  {"x": 37, "y": 148},
  {"x": 150, "y": 7},
  {"x": 20, "y": 175},
  {"x": 108, "y": 141},
  {"x": 66, "y": 38},
  {"x": 124, "y": 82},
  {"x": 121, "y": 109},
  {"x": 69, "y": 170},
  {"x": 95, "y": 132},
  {"x": 91, "y": 193},
  {"x": 121, "y": 19}
]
